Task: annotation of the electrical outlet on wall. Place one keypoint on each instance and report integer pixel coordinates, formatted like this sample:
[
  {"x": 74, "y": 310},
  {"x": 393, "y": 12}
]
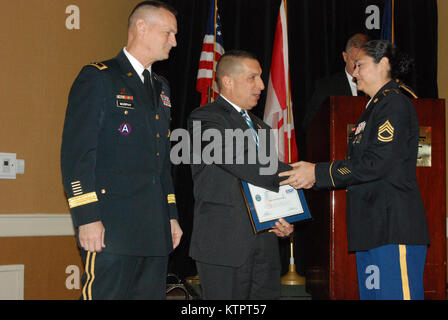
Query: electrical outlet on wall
[{"x": 10, "y": 166}]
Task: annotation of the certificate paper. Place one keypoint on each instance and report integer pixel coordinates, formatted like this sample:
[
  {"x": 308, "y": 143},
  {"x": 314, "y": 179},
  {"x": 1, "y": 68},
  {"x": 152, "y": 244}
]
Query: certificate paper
[{"x": 266, "y": 207}]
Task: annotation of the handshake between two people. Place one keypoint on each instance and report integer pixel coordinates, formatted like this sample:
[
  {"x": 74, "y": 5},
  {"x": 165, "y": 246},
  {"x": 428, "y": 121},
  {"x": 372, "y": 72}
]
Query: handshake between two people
[{"x": 302, "y": 176}]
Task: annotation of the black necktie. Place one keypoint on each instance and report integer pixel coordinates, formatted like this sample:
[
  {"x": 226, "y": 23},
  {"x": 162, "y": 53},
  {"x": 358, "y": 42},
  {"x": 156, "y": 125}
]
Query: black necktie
[{"x": 148, "y": 85}]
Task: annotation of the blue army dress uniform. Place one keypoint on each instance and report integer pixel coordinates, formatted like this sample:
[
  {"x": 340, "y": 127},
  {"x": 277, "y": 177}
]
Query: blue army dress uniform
[
  {"x": 386, "y": 221},
  {"x": 116, "y": 165}
]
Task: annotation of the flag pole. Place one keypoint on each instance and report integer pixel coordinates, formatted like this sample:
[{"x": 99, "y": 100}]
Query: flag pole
[
  {"x": 288, "y": 101},
  {"x": 212, "y": 94},
  {"x": 292, "y": 277}
]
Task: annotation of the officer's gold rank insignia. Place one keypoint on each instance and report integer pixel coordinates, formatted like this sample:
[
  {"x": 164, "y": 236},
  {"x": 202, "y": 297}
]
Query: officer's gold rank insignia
[
  {"x": 386, "y": 132},
  {"x": 99, "y": 65}
]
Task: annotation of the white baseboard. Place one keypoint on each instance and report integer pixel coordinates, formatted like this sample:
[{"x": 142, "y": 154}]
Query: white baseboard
[
  {"x": 12, "y": 282},
  {"x": 36, "y": 224}
]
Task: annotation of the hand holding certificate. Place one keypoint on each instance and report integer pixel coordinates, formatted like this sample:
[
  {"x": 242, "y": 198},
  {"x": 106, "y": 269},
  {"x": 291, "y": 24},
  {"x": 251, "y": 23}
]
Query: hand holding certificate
[{"x": 267, "y": 207}]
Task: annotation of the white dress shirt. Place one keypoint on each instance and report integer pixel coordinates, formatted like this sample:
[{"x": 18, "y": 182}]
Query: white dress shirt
[
  {"x": 352, "y": 83},
  {"x": 138, "y": 67}
]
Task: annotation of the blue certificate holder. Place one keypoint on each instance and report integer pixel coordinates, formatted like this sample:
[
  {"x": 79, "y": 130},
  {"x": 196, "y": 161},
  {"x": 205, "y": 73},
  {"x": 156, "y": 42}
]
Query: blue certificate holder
[{"x": 267, "y": 207}]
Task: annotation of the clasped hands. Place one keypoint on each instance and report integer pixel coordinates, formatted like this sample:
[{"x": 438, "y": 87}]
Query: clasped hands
[{"x": 302, "y": 176}]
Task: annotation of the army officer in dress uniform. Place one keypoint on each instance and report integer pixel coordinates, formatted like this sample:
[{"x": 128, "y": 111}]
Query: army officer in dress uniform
[
  {"x": 116, "y": 166},
  {"x": 386, "y": 221}
]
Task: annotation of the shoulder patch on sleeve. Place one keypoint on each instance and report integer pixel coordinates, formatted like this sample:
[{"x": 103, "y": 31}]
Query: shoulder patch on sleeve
[
  {"x": 386, "y": 132},
  {"x": 99, "y": 65}
]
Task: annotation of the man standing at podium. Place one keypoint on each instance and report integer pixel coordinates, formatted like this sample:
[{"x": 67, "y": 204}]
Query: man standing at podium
[
  {"x": 386, "y": 221},
  {"x": 338, "y": 84}
]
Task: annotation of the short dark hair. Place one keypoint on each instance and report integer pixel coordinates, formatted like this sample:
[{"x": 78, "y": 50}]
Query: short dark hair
[
  {"x": 356, "y": 41},
  {"x": 155, "y": 4},
  {"x": 228, "y": 60},
  {"x": 400, "y": 63}
]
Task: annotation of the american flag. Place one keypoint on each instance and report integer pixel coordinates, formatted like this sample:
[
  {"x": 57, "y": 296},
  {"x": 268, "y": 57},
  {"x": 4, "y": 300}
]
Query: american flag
[{"x": 212, "y": 50}]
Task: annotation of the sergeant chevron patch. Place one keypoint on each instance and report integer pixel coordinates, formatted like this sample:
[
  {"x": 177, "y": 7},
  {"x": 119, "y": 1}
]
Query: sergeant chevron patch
[{"x": 386, "y": 132}]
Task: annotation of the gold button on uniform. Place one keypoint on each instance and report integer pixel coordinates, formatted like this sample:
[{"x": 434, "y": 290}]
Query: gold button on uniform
[
  {"x": 157, "y": 117},
  {"x": 103, "y": 191},
  {"x": 158, "y": 154},
  {"x": 158, "y": 135},
  {"x": 126, "y": 112}
]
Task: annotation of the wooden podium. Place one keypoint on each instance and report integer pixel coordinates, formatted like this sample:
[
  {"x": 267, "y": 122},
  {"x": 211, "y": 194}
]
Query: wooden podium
[{"x": 330, "y": 268}]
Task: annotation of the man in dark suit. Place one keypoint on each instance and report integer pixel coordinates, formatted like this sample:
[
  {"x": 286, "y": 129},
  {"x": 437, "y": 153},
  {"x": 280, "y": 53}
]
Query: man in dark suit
[
  {"x": 116, "y": 166},
  {"x": 338, "y": 84},
  {"x": 233, "y": 262}
]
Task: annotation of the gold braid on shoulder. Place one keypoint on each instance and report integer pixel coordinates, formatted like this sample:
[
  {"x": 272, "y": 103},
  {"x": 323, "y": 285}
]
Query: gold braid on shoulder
[{"x": 401, "y": 85}]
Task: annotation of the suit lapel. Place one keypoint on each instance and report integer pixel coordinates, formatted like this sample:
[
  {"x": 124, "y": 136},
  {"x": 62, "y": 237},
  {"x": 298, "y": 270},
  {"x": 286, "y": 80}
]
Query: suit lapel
[
  {"x": 234, "y": 115},
  {"x": 238, "y": 118}
]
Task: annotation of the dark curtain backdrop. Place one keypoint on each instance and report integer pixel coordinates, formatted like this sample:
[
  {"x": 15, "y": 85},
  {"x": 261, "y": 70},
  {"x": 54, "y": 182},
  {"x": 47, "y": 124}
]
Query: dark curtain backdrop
[{"x": 318, "y": 31}]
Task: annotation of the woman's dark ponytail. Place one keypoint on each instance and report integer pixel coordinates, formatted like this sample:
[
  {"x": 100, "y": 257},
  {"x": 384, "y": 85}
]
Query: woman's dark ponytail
[{"x": 400, "y": 63}]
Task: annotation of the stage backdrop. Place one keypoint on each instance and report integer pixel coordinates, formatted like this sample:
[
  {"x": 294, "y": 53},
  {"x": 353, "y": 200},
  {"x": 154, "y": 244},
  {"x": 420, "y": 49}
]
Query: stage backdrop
[{"x": 45, "y": 44}]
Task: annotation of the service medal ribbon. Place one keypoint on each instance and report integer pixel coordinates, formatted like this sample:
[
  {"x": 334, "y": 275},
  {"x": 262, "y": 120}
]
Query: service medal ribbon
[
  {"x": 360, "y": 128},
  {"x": 123, "y": 97},
  {"x": 166, "y": 100}
]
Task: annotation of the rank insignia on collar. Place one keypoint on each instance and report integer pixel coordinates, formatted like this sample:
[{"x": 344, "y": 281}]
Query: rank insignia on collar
[
  {"x": 386, "y": 132},
  {"x": 99, "y": 65},
  {"x": 165, "y": 99}
]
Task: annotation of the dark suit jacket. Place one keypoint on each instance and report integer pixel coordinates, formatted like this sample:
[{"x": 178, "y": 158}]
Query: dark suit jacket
[
  {"x": 115, "y": 158},
  {"x": 384, "y": 205},
  {"x": 222, "y": 231},
  {"x": 335, "y": 85}
]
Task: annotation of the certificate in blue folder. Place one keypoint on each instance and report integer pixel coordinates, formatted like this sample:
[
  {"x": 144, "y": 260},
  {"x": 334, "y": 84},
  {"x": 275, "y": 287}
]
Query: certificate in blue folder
[{"x": 265, "y": 207}]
